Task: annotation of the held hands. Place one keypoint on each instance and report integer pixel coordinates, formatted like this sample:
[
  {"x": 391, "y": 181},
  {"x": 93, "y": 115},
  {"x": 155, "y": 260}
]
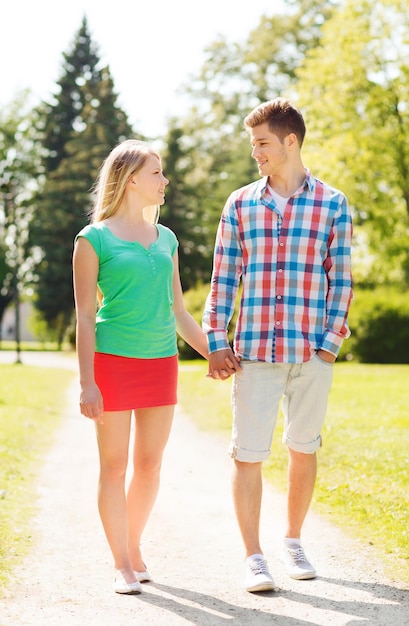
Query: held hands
[
  {"x": 91, "y": 403},
  {"x": 222, "y": 364}
]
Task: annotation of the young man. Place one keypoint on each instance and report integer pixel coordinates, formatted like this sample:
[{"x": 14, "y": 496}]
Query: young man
[{"x": 287, "y": 238}]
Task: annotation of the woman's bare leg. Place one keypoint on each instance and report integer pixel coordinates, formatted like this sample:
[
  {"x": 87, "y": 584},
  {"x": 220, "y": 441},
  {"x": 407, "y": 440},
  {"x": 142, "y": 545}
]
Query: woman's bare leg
[
  {"x": 152, "y": 429},
  {"x": 113, "y": 444}
]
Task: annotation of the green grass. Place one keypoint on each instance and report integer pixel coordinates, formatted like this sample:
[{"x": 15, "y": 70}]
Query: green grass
[
  {"x": 30, "y": 412},
  {"x": 363, "y": 475},
  {"x": 363, "y": 479}
]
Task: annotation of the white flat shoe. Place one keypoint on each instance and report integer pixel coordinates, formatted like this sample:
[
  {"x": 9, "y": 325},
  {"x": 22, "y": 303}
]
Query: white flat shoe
[
  {"x": 121, "y": 586},
  {"x": 143, "y": 577}
]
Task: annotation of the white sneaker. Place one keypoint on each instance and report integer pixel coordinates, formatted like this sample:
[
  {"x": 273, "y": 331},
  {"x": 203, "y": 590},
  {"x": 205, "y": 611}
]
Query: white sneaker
[
  {"x": 257, "y": 577},
  {"x": 296, "y": 563}
]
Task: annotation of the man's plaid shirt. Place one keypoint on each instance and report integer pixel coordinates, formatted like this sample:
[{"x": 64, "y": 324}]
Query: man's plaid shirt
[{"x": 295, "y": 273}]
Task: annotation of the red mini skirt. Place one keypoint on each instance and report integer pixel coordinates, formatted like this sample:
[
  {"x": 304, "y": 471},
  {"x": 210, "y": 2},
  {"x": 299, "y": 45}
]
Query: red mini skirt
[{"x": 127, "y": 383}]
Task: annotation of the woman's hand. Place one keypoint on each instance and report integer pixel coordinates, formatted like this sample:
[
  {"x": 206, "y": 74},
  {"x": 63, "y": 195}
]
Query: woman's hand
[{"x": 91, "y": 403}]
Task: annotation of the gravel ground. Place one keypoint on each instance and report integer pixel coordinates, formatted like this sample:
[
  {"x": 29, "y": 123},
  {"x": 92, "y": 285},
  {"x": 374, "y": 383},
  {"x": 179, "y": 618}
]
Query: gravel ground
[{"x": 192, "y": 548}]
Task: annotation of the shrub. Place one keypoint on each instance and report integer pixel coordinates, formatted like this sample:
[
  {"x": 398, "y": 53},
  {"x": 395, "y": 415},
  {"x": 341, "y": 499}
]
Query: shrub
[
  {"x": 379, "y": 322},
  {"x": 378, "y": 319},
  {"x": 195, "y": 301}
]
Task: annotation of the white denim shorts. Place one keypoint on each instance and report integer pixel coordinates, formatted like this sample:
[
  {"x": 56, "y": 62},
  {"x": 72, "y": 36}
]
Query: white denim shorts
[{"x": 257, "y": 391}]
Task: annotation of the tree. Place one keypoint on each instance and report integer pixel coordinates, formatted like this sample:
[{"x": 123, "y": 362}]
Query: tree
[
  {"x": 210, "y": 154},
  {"x": 179, "y": 212},
  {"x": 236, "y": 77},
  {"x": 88, "y": 125},
  {"x": 20, "y": 167},
  {"x": 277, "y": 47},
  {"x": 63, "y": 114},
  {"x": 354, "y": 90}
]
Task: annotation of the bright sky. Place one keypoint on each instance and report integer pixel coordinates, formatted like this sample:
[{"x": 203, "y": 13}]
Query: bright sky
[{"x": 152, "y": 47}]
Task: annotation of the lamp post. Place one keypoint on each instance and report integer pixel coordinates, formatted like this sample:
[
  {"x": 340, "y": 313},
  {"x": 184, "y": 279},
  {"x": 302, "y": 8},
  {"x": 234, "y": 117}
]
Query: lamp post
[{"x": 17, "y": 316}]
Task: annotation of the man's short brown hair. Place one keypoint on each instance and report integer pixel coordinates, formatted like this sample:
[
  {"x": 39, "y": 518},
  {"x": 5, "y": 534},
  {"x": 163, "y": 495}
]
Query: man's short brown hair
[{"x": 281, "y": 116}]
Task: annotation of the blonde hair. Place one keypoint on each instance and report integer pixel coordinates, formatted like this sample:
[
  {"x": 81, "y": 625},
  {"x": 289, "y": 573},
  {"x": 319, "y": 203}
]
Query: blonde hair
[{"x": 125, "y": 160}]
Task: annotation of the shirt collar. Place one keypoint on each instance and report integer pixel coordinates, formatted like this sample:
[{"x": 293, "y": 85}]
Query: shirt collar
[{"x": 309, "y": 182}]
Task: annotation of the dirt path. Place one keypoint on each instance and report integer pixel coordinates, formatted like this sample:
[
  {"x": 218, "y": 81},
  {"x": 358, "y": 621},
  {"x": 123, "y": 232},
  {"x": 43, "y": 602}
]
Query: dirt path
[{"x": 192, "y": 548}]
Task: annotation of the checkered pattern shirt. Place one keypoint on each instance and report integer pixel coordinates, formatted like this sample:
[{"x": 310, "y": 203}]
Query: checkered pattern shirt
[{"x": 294, "y": 271}]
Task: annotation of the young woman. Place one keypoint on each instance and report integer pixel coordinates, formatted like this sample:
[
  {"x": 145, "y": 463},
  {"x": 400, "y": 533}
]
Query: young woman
[{"x": 129, "y": 306}]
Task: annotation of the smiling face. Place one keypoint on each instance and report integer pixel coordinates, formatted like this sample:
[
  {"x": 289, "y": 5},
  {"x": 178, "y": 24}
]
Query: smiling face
[
  {"x": 150, "y": 182},
  {"x": 269, "y": 151}
]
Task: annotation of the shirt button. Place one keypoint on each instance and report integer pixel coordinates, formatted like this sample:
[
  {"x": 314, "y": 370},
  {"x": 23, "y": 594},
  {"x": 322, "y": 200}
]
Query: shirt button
[
  {"x": 278, "y": 297},
  {"x": 278, "y": 323},
  {"x": 281, "y": 244},
  {"x": 280, "y": 270}
]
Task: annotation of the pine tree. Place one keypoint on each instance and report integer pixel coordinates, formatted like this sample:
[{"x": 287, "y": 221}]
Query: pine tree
[
  {"x": 180, "y": 212},
  {"x": 81, "y": 126},
  {"x": 64, "y": 115}
]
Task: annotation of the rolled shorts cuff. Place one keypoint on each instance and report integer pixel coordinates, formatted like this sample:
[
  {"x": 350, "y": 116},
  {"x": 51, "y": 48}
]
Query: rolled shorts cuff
[
  {"x": 306, "y": 448},
  {"x": 248, "y": 456}
]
